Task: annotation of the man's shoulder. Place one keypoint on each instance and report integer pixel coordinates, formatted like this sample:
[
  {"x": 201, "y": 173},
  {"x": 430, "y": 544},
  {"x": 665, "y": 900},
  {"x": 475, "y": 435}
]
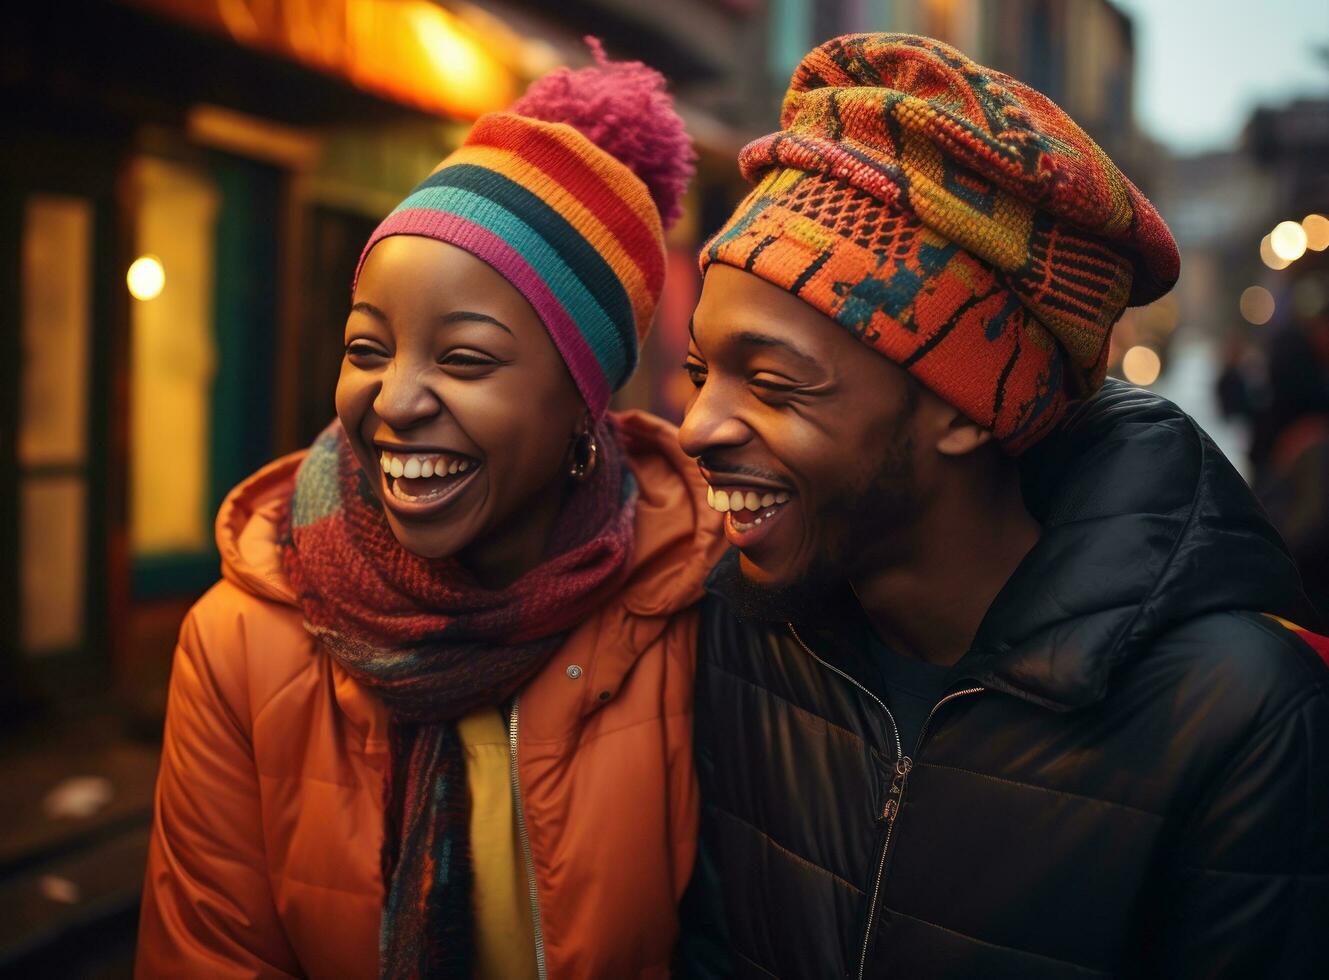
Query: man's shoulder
[{"x": 1235, "y": 671}]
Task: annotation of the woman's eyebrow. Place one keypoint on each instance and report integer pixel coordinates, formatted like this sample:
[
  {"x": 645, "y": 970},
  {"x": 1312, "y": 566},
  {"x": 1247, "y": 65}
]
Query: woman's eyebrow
[
  {"x": 370, "y": 309},
  {"x": 457, "y": 316}
]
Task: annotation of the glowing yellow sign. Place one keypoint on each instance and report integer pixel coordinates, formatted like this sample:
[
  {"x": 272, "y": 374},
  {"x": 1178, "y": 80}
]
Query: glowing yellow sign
[{"x": 410, "y": 51}]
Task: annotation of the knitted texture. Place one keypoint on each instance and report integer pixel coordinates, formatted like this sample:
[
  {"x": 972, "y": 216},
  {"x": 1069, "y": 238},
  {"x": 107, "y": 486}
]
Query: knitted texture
[
  {"x": 434, "y": 646},
  {"x": 955, "y": 220},
  {"x": 600, "y": 100},
  {"x": 576, "y": 229}
]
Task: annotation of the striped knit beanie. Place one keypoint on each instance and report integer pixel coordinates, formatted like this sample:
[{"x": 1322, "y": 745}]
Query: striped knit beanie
[
  {"x": 567, "y": 196},
  {"x": 956, "y": 220}
]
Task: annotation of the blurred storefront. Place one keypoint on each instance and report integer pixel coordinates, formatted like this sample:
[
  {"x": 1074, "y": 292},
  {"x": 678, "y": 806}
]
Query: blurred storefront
[
  {"x": 177, "y": 181},
  {"x": 187, "y": 185}
]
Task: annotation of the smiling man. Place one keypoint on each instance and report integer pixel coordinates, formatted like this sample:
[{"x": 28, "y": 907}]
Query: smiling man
[{"x": 1000, "y": 678}]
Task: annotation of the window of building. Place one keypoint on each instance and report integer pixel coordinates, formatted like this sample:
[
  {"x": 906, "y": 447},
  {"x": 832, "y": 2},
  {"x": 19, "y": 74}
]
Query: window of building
[
  {"x": 56, "y": 288},
  {"x": 173, "y": 360}
]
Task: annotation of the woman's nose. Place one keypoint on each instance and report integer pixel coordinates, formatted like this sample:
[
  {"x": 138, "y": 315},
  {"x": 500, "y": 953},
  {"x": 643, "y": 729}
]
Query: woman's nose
[{"x": 404, "y": 399}]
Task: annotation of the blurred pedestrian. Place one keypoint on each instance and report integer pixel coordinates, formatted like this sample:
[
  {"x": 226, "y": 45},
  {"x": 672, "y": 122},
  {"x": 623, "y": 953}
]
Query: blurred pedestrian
[
  {"x": 435, "y": 721},
  {"x": 1291, "y": 453},
  {"x": 989, "y": 686}
]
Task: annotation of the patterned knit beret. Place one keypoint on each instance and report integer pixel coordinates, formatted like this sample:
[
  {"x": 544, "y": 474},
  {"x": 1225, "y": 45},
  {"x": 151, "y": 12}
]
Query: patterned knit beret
[
  {"x": 567, "y": 196},
  {"x": 955, "y": 220}
]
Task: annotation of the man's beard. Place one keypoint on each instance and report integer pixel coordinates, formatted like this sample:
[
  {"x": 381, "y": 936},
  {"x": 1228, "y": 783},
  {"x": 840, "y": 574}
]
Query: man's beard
[
  {"x": 862, "y": 529},
  {"x": 801, "y": 601}
]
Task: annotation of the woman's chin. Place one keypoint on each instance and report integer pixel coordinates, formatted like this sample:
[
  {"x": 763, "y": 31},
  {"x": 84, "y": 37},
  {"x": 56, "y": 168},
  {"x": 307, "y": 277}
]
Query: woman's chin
[{"x": 431, "y": 543}]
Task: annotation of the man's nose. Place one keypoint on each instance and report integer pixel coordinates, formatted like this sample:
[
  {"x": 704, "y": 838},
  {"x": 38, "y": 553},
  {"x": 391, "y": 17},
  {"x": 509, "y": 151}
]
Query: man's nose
[
  {"x": 710, "y": 422},
  {"x": 404, "y": 399}
]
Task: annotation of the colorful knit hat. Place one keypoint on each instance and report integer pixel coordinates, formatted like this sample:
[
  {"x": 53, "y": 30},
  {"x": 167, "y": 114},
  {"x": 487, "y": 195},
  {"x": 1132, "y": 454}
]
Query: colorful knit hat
[
  {"x": 955, "y": 220},
  {"x": 567, "y": 196}
]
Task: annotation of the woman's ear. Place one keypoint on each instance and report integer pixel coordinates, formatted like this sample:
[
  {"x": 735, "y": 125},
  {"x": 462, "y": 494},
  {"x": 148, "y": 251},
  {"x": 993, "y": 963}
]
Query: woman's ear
[{"x": 584, "y": 449}]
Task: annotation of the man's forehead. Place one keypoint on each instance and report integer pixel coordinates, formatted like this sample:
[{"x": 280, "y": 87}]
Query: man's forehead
[{"x": 740, "y": 308}]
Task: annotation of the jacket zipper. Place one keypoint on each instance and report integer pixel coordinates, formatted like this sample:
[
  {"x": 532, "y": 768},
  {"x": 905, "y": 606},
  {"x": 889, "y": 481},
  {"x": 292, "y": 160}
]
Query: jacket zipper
[
  {"x": 541, "y": 969},
  {"x": 892, "y": 807},
  {"x": 903, "y": 765}
]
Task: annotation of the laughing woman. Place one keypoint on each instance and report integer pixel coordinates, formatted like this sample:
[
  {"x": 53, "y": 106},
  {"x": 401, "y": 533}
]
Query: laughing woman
[{"x": 435, "y": 721}]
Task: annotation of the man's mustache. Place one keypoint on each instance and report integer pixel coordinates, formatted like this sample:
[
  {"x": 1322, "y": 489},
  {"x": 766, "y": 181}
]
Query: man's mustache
[{"x": 717, "y": 464}]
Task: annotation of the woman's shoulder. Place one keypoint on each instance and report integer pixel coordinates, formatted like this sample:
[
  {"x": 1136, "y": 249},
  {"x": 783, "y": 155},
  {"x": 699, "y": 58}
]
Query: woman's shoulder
[
  {"x": 243, "y": 647},
  {"x": 250, "y": 528}
]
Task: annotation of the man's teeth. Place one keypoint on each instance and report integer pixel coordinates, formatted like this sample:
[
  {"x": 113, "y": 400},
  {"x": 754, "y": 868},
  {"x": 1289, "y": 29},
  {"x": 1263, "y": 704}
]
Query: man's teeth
[
  {"x": 725, "y": 501},
  {"x": 415, "y": 467}
]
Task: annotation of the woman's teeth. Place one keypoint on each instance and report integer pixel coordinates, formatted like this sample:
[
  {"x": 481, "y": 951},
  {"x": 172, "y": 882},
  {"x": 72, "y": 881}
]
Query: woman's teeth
[
  {"x": 416, "y": 467},
  {"x": 736, "y": 502}
]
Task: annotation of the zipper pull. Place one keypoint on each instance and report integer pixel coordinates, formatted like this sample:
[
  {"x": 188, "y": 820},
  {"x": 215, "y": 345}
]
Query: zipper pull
[{"x": 892, "y": 808}]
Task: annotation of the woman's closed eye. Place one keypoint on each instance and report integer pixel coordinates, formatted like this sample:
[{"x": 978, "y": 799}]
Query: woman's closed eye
[
  {"x": 359, "y": 350},
  {"x": 468, "y": 362}
]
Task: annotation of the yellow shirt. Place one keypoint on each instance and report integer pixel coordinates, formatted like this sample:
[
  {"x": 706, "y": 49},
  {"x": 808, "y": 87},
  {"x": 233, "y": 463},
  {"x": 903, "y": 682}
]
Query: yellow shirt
[{"x": 504, "y": 936}]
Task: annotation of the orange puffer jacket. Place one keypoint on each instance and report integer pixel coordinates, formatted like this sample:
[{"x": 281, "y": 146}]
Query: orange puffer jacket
[{"x": 264, "y": 859}]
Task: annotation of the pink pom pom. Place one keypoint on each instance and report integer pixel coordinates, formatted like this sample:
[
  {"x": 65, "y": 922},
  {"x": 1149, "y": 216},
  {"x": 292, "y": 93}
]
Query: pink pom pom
[{"x": 623, "y": 108}]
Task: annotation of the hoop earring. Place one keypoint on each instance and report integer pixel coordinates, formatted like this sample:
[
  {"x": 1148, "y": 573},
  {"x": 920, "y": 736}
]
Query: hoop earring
[{"x": 585, "y": 455}]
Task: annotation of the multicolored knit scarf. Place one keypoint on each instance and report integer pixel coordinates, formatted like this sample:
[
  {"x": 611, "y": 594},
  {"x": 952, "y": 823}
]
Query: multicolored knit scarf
[{"x": 435, "y": 646}]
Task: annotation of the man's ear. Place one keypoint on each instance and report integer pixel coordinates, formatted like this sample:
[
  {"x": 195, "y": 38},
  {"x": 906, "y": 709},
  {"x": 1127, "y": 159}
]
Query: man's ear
[
  {"x": 962, "y": 436},
  {"x": 949, "y": 430}
]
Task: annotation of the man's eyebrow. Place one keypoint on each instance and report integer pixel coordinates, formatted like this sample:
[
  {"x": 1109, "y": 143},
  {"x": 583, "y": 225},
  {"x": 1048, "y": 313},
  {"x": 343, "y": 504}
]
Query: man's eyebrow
[
  {"x": 457, "y": 316},
  {"x": 755, "y": 339}
]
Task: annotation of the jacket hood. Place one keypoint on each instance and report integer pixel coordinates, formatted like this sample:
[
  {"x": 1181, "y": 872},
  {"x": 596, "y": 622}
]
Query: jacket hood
[
  {"x": 678, "y": 537},
  {"x": 1146, "y": 525}
]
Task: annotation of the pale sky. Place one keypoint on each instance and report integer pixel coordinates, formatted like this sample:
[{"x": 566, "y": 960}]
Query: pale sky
[{"x": 1202, "y": 65}]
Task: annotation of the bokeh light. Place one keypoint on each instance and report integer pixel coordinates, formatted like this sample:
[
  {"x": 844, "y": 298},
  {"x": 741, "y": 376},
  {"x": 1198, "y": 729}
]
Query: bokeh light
[
  {"x": 1316, "y": 227},
  {"x": 1141, "y": 366},
  {"x": 1257, "y": 305},
  {"x": 1268, "y": 257},
  {"x": 146, "y": 277},
  {"x": 1288, "y": 240}
]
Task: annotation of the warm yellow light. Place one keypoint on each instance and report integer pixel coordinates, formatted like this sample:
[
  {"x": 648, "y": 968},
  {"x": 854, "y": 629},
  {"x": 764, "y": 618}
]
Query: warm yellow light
[
  {"x": 425, "y": 54},
  {"x": 1141, "y": 366},
  {"x": 1316, "y": 227},
  {"x": 146, "y": 277},
  {"x": 1288, "y": 240},
  {"x": 469, "y": 72},
  {"x": 1268, "y": 257},
  {"x": 1257, "y": 305}
]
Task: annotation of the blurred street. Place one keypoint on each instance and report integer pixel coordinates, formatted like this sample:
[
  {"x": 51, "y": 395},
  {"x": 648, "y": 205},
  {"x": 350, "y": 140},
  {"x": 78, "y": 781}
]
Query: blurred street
[
  {"x": 1194, "y": 368},
  {"x": 187, "y": 185}
]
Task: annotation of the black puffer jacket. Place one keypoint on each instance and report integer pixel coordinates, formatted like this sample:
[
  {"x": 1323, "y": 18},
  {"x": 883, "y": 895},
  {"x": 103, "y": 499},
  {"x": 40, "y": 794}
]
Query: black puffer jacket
[{"x": 1131, "y": 780}]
